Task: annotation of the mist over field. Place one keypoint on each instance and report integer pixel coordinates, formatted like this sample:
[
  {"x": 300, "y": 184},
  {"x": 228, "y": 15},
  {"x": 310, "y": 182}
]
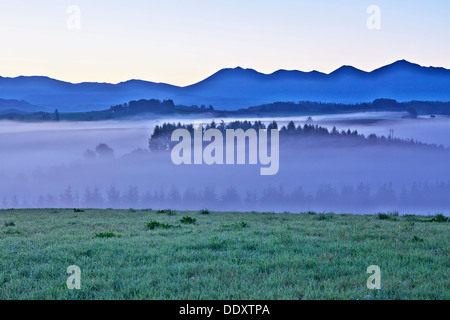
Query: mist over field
[{"x": 46, "y": 165}]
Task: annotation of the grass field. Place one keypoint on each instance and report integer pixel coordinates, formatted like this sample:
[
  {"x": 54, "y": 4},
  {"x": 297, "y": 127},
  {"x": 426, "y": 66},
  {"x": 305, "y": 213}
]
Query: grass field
[{"x": 127, "y": 254}]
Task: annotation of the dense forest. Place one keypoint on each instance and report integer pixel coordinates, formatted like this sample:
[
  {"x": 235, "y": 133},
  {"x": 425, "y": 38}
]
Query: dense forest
[{"x": 161, "y": 137}]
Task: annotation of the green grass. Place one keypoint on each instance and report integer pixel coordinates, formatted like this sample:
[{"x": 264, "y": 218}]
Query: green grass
[{"x": 221, "y": 256}]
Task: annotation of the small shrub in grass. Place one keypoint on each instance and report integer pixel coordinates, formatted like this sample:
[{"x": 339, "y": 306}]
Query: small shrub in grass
[
  {"x": 237, "y": 225},
  {"x": 169, "y": 212},
  {"x": 78, "y": 210},
  {"x": 188, "y": 220},
  {"x": 107, "y": 235},
  {"x": 411, "y": 217},
  {"x": 439, "y": 218},
  {"x": 383, "y": 216},
  {"x": 387, "y": 216},
  {"x": 12, "y": 231},
  {"x": 204, "y": 211},
  {"x": 325, "y": 216},
  {"x": 152, "y": 225},
  {"x": 417, "y": 239},
  {"x": 216, "y": 243},
  {"x": 242, "y": 224},
  {"x": 9, "y": 224}
]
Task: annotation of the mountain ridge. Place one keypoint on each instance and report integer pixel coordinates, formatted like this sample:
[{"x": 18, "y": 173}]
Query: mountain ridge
[
  {"x": 238, "y": 68},
  {"x": 234, "y": 88}
]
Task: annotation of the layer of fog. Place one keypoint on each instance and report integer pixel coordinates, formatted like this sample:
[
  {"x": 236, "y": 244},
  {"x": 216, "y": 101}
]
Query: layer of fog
[{"x": 42, "y": 165}]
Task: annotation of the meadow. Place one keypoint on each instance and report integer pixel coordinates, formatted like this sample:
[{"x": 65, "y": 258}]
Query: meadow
[{"x": 149, "y": 254}]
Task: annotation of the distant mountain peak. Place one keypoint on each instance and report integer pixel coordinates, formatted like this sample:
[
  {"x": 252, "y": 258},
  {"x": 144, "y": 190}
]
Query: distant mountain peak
[
  {"x": 398, "y": 65},
  {"x": 403, "y": 61},
  {"x": 238, "y": 68},
  {"x": 346, "y": 69},
  {"x": 226, "y": 73}
]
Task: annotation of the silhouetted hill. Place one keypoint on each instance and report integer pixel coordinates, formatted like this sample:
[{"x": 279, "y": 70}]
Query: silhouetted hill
[
  {"x": 231, "y": 89},
  {"x": 16, "y": 106},
  {"x": 50, "y": 94}
]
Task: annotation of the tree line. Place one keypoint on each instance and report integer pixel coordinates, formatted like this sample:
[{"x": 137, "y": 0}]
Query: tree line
[
  {"x": 160, "y": 139},
  {"x": 429, "y": 196},
  {"x": 156, "y": 106},
  {"x": 168, "y": 106}
]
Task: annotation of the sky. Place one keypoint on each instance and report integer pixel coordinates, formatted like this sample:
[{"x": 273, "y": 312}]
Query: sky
[{"x": 182, "y": 42}]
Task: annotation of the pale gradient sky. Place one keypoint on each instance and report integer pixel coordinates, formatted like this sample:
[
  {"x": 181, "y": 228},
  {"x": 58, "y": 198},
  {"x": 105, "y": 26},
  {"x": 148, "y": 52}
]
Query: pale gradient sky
[{"x": 181, "y": 42}]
